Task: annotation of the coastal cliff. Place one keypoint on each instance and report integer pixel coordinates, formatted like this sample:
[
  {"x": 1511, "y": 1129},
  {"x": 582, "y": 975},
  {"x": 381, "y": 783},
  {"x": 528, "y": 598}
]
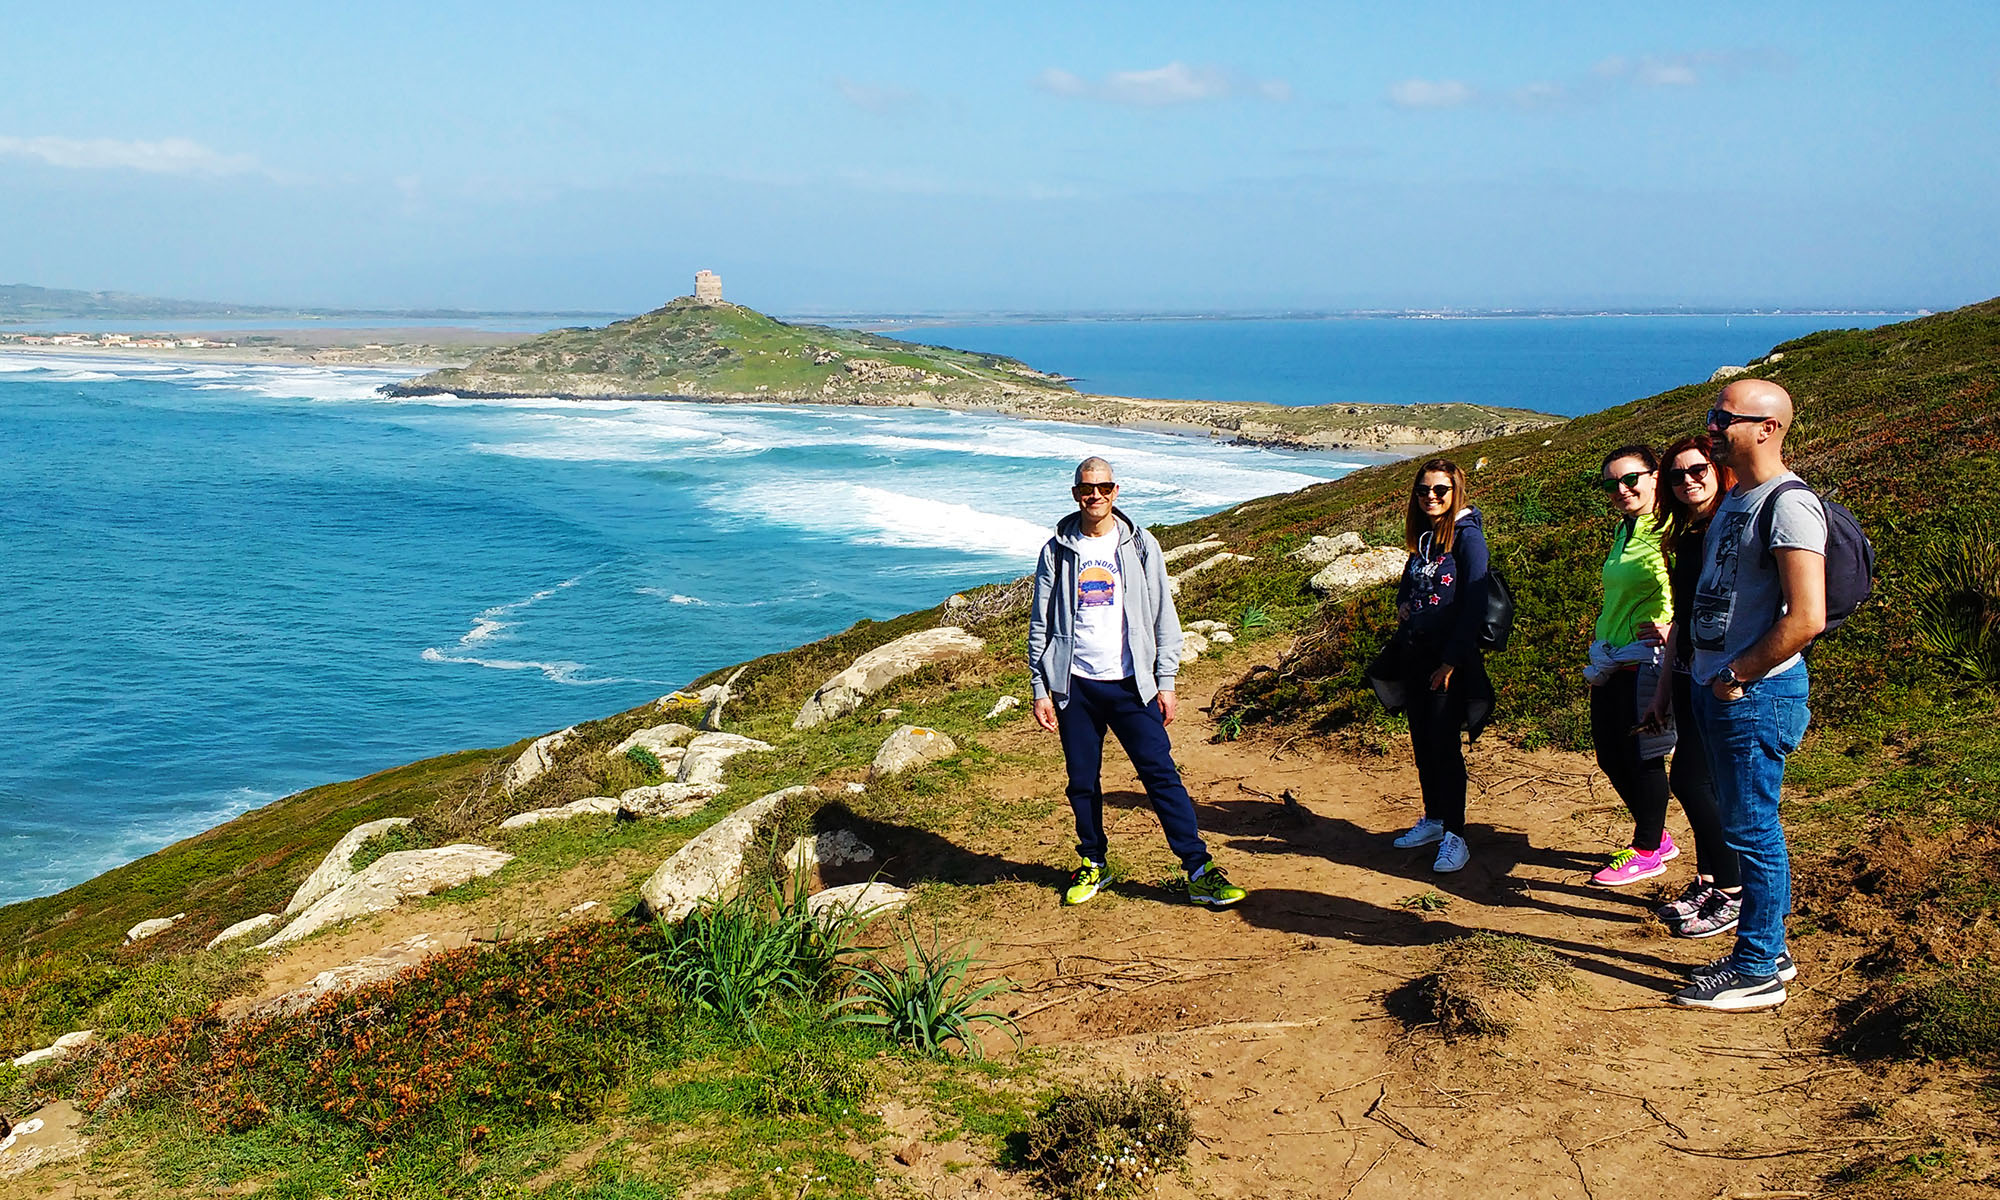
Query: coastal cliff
[{"x": 724, "y": 353}]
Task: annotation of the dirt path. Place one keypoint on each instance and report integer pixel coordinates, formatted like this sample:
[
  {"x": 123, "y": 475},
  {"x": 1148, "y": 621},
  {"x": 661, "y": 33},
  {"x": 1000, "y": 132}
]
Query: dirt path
[{"x": 1288, "y": 1019}]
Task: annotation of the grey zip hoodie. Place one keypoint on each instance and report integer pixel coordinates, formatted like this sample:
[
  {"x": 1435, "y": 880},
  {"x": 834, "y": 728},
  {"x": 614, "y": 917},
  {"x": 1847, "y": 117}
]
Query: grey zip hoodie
[{"x": 1152, "y": 627}]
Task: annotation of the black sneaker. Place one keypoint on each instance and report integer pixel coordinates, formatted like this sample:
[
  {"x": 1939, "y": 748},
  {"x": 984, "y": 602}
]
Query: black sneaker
[
  {"x": 1729, "y": 991},
  {"x": 1787, "y": 969}
]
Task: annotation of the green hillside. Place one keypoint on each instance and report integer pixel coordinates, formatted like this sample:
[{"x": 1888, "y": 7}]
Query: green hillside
[{"x": 689, "y": 348}]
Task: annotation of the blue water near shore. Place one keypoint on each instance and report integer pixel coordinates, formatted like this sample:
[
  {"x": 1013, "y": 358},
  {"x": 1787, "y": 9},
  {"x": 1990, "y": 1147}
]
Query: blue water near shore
[
  {"x": 1564, "y": 365},
  {"x": 227, "y": 583}
]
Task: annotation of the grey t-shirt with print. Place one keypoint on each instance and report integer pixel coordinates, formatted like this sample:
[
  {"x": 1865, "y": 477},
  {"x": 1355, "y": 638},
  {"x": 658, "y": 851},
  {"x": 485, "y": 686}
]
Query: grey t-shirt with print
[{"x": 1739, "y": 597}]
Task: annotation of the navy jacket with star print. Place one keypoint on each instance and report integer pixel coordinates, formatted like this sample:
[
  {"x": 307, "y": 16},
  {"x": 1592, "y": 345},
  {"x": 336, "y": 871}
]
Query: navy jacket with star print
[{"x": 1447, "y": 592}]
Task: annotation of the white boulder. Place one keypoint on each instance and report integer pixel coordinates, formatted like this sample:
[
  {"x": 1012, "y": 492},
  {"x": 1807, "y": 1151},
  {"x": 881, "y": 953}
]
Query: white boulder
[
  {"x": 701, "y": 766},
  {"x": 834, "y": 848},
  {"x": 1192, "y": 548},
  {"x": 1321, "y": 550},
  {"x": 1382, "y": 564},
  {"x": 860, "y": 900},
  {"x": 1002, "y": 705},
  {"x": 1221, "y": 637},
  {"x": 909, "y": 746},
  {"x": 712, "y": 864},
  {"x": 1206, "y": 564},
  {"x": 63, "y": 1047},
  {"x": 660, "y": 740},
  {"x": 151, "y": 928},
  {"x": 589, "y": 806},
  {"x": 259, "y": 924},
  {"x": 390, "y": 880},
  {"x": 336, "y": 869},
  {"x": 537, "y": 758},
  {"x": 882, "y": 666},
  {"x": 667, "y": 799},
  {"x": 1203, "y": 626},
  {"x": 1731, "y": 372}
]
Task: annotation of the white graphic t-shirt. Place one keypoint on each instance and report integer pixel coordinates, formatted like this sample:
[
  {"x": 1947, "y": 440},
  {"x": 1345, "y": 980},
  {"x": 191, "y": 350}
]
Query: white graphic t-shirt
[{"x": 1101, "y": 652}]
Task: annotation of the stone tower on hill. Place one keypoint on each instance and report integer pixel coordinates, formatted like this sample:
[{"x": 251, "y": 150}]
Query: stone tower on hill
[{"x": 707, "y": 287}]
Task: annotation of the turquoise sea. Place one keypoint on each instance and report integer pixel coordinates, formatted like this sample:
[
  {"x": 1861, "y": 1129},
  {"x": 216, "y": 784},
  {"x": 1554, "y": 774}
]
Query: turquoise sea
[{"x": 227, "y": 583}]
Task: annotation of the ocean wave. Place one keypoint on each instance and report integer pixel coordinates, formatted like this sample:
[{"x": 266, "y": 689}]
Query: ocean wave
[
  {"x": 556, "y": 672},
  {"x": 874, "y": 516}
]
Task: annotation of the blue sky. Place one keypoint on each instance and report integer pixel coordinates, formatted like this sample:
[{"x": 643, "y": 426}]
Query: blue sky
[{"x": 902, "y": 157}]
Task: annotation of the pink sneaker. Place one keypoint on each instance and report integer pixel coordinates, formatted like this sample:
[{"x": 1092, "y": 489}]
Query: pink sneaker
[
  {"x": 1668, "y": 851},
  {"x": 1630, "y": 866}
]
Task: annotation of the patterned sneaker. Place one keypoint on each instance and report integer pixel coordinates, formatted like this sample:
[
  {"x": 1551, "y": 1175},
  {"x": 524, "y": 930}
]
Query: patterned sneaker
[
  {"x": 1719, "y": 912},
  {"x": 1427, "y": 832},
  {"x": 1453, "y": 854},
  {"x": 1787, "y": 969},
  {"x": 1084, "y": 882},
  {"x": 1728, "y": 990},
  {"x": 1210, "y": 886},
  {"x": 1630, "y": 866},
  {"x": 1683, "y": 908}
]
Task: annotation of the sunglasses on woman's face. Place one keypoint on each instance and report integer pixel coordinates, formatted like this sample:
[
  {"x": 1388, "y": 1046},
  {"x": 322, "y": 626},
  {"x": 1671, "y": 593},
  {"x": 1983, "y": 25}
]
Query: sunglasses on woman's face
[
  {"x": 1677, "y": 476},
  {"x": 1437, "y": 491},
  {"x": 1629, "y": 481}
]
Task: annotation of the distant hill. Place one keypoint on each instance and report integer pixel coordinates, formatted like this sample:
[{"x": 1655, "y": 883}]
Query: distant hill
[{"x": 25, "y": 302}]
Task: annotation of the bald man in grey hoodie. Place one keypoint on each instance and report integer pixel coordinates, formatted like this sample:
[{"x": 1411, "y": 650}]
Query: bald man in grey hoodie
[{"x": 1104, "y": 644}]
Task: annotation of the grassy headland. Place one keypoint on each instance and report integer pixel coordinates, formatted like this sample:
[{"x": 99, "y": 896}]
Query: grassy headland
[{"x": 724, "y": 352}]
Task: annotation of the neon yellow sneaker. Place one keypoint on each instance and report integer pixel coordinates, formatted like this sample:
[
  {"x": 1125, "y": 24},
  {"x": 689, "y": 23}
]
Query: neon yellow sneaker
[
  {"x": 1211, "y": 887},
  {"x": 1084, "y": 882}
]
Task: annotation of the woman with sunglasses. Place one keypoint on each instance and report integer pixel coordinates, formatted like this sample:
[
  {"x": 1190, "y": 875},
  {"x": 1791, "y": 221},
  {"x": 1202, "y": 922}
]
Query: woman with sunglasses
[
  {"x": 1432, "y": 669},
  {"x": 1694, "y": 484},
  {"x": 1625, "y": 661}
]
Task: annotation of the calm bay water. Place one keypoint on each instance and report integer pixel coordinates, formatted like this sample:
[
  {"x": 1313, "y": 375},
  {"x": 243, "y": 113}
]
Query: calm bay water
[
  {"x": 228, "y": 583},
  {"x": 1565, "y": 365}
]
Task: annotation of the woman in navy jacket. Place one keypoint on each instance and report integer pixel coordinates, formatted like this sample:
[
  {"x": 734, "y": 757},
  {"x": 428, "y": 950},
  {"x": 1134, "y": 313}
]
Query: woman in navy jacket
[{"x": 1435, "y": 655}]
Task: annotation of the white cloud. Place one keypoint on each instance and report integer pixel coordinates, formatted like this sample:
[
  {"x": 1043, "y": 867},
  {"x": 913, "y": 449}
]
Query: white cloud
[
  {"x": 1428, "y": 93},
  {"x": 876, "y": 97},
  {"x": 1156, "y": 87},
  {"x": 169, "y": 156}
]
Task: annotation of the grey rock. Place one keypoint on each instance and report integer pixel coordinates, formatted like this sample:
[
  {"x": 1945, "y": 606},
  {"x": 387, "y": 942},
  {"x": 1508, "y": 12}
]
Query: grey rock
[
  {"x": 863, "y": 901},
  {"x": 1204, "y": 626},
  {"x": 336, "y": 869},
  {"x": 151, "y": 928},
  {"x": 262, "y": 923},
  {"x": 880, "y": 667},
  {"x": 1193, "y": 646},
  {"x": 62, "y": 1047},
  {"x": 701, "y": 766},
  {"x": 1321, "y": 550},
  {"x": 660, "y": 740},
  {"x": 667, "y": 799},
  {"x": 1722, "y": 373},
  {"x": 1221, "y": 637},
  {"x": 909, "y": 746},
  {"x": 537, "y": 758},
  {"x": 711, "y": 865},
  {"x": 1192, "y": 548},
  {"x": 390, "y": 880},
  {"x": 589, "y": 806},
  {"x": 1206, "y": 564},
  {"x": 1383, "y": 564},
  {"x": 834, "y": 848},
  {"x": 1002, "y": 705}
]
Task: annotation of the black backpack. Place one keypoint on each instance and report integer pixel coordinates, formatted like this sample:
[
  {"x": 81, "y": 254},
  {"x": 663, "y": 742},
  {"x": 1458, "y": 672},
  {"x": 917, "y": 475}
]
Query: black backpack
[
  {"x": 1850, "y": 557},
  {"x": 1498, "y": 623}
]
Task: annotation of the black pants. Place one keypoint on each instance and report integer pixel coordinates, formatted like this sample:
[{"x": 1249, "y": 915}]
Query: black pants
[
  {"x": 1641, "y": 784},
  {"x": 1096, "y": 706},
  {"x": 1436, "y": 719},
  {"x": 1694, "y": 787}
]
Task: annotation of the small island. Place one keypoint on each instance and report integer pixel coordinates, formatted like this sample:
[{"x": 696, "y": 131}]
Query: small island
[{"x": 703, "y": 348}]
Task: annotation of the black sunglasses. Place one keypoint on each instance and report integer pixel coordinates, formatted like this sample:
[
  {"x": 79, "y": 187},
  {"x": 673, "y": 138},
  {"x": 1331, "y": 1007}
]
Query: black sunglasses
[
  {"x": 1721, "y": 419},
  {"x": 1677, "y": 476},
  {"x": 1438, "y": 491},
  {"x": 1102, "y": 489},
  {"x": 1628, "y": 481}
]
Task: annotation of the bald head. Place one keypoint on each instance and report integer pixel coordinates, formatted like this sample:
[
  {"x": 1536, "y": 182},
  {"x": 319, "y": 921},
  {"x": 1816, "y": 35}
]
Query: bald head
[{"x": 1758, "y": 397}]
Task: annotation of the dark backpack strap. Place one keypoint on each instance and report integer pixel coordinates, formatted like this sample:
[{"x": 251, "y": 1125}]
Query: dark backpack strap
[{"x": 1769, "y": 514}]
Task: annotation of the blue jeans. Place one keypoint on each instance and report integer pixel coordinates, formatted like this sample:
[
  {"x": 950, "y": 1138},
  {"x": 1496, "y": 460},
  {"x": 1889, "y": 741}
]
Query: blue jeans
[
  {"x": 1747, "y": 741},
  {"x": 1096, "y": 705}
]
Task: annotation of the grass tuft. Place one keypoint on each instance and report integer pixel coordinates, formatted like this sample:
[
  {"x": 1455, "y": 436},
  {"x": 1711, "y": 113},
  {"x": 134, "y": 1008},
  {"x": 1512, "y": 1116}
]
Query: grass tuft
[{"x": 1472, "y": 974}]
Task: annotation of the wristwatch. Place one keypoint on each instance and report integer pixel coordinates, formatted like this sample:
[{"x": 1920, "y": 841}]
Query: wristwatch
[{"x": 1729, "y": 673}]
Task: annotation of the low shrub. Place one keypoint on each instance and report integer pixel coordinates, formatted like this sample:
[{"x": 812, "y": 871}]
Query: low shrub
[
  {"x": 1954, "y": 589},
  {"x": 390, "y": 841},
  {"x": 647, "y": 762},
  {"x": 1471, "y": 974},
  {"x": 1108, "y": 1141},
  {"x": 1946, "y": 1013},
  {"x": 525, "y": 1032},
  {"x": 927, "y": 1003}
]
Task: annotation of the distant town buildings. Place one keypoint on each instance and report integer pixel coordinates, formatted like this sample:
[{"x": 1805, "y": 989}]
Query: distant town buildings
[{"x": 707, "y": 287}]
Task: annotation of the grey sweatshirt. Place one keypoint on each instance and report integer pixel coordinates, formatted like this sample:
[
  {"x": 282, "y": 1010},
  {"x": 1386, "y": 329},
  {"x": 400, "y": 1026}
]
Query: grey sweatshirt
[{"x": 1152, "y": 627}]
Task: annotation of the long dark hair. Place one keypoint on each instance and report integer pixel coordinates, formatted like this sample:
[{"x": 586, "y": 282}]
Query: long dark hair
[
  {"x": 1444, "y": 529},
  {"x": 1672, "y": 515}
]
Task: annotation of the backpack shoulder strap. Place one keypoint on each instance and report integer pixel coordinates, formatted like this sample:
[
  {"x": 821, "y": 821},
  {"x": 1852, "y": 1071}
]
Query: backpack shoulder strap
[{"x": 1769, "y": 514}]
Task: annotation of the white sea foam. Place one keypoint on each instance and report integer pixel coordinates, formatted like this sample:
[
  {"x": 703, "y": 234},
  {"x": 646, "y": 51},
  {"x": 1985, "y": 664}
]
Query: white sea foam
[
  {"x": 874, "y": 516},
  {"x": 556, "y": 672},
  {"x": 488, "y": 626}
]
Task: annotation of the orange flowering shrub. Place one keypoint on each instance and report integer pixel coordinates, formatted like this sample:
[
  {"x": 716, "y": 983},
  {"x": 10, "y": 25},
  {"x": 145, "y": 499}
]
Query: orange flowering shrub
[{"x": 525, "y": 1031}]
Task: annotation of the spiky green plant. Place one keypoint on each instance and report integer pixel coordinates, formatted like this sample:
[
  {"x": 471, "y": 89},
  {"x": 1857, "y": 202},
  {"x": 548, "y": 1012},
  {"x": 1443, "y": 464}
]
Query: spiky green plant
[
  {"x": 927, "y": 1003},
  {"x": 1955, "y": 590}
]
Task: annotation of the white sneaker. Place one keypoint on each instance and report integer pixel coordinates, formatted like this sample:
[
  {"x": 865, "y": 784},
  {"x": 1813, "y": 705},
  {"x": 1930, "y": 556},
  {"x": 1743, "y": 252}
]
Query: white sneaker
[
  {"x": 1453, "y": 854},
  {"x": 1427, "y": 832}
]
